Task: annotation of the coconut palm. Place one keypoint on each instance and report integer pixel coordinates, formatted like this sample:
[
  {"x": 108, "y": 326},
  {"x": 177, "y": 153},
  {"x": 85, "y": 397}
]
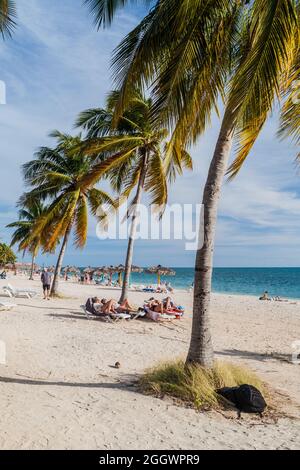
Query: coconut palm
[
  {"x": 7, "y": 17},
  {"x": 55, "y": 175},
  {"x": 190, "y": 54},
  {"x": 134, "y": 159},
  {"x": 290, "y": 113},
  {"x": 28, "y": 217}
]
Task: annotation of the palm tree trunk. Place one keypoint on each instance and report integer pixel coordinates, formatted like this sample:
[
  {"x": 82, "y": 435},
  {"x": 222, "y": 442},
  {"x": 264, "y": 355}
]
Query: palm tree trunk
[
  {"x": 134, "y": 222},
  {"x": 57, "y": 271},
  {"x": 32, "y": 266},
  {"x": 201, "y": 348}
]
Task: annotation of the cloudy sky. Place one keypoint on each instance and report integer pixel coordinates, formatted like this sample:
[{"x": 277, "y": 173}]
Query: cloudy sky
[{"x": 57, "y": 65}]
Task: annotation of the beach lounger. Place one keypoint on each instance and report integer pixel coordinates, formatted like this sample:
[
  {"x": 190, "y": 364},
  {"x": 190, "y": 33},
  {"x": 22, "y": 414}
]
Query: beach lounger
[
  {"x": 120, "y": 316},
  {"x": 139, "y": 314},
  {"x": 12, "y": 292},
  {"x": 156, "y": 316},
  {"x": 6, "y": 305},
  {"x": 90, "y": 316}
]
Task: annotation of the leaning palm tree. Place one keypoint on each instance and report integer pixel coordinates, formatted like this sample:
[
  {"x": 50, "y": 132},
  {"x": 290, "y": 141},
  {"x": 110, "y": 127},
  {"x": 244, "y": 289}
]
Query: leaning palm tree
[
  {"x": 55, "y": 175},
  {"x": 134, "y": 161},
  {"x": 28, "y": 217},
  {"x": 190, "y": 54},
  {"x": 7, "y": 17}
]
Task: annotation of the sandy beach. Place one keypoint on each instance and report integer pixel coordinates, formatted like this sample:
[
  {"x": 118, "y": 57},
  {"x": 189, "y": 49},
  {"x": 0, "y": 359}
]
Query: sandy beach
[{"x": 59, "y": 389}]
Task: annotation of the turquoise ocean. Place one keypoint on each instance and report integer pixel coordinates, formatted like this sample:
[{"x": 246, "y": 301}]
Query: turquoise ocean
[{"x": 284, "y": 282}]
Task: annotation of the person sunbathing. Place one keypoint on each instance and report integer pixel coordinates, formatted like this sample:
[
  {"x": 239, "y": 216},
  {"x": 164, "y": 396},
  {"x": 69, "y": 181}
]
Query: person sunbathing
[
  {"x": 170, "y": 306},
  {"x": 93, "y": 306},
  {"x": 166, "y": 306},
  {"x": 265, "y": 296},
  {"x": 113, "y": 307},
  {"x": 157, "y": 306}
]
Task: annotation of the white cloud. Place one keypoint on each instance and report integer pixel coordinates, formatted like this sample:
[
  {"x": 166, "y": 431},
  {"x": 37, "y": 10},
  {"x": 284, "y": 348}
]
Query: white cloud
[{"x": 57, "y": 65}]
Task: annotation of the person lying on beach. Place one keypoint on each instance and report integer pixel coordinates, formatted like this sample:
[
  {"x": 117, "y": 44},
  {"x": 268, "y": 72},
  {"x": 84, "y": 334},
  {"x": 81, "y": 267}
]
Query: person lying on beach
[
  {"x": 169, "y": 305},
  {"x": 166, "y": 306},
  {"x": 92, "y": 306},
  {"x": 265, "y": 296},
  {"x": 112, "y": 306}
]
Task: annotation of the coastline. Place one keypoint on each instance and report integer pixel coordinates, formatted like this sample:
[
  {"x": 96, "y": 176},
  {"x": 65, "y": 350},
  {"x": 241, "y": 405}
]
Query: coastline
[{"x": 60, "y": 366}]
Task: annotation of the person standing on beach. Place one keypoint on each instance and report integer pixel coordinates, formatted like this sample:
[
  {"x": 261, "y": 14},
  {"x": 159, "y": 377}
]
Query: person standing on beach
[{"x": 46, "y": 279}]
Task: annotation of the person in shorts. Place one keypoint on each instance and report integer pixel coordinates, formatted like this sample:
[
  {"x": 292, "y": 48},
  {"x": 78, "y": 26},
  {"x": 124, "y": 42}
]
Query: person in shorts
[{"x": 46, "y": 279}]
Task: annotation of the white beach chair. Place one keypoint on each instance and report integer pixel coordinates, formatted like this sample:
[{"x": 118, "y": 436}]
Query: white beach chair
[
  {"x": 120, "y": 316},
  {"x": 6, "y": 305},
  {"x": 13, "y": 292},
  {"x": 90, "y": 316},
  {"x": 139, "y": 314}
]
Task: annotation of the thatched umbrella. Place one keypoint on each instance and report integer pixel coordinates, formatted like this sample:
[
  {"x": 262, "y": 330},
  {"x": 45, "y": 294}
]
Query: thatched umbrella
[
  {"x": 121, "y": 269},
  {"x": 136, "y": 269},
  {"x": 10, "y": 266},
  {"x": 161, "y": 271},
  {"x": 71, "y": 269},
  {"x": 88, "y": 270},
  {"x": 110, "y": 270}
]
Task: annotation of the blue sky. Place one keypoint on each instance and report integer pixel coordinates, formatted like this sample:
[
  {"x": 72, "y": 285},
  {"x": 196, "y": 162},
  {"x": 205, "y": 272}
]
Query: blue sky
[{"x": 55, "y": 66}]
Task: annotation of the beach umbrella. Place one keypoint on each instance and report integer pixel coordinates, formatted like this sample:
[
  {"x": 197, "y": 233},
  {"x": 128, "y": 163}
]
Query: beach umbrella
[
  {"x": 110, "y": 270},
  {"x": 88, "y": 270},
  {"x": 121, "y": 269},
  {"x": 161, "y": 271},
  {"x": 136, "y": 269},
  {"x": 71, "y": 269},
  {"x": 10, "y": 266}
]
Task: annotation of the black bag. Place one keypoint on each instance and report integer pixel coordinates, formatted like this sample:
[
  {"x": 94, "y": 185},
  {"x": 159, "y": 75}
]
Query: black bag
[{"x": 246, "y": 398}]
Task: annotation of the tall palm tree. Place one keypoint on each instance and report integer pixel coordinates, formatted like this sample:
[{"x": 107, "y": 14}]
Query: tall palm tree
[
  {"x": 190, "y": 54},
  {"x": 28, "y": 217},
  {"x": 7, "y": 17},
  {"x": 55, "y": 175},
  {"x": 135, "y": 150}
]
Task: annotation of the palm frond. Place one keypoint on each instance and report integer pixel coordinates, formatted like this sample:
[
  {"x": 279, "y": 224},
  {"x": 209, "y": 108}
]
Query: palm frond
[
  {"x": 103, "y": 11},
  {"x": 273, "y": 29},
  {"x": 155, "y": 182},
  {"x": 81, "y": 222},
  {"x": 8, "y": 15}
]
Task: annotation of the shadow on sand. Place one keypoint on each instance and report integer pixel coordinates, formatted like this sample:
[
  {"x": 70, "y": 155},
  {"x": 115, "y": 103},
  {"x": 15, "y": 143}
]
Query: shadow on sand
[
  {"x": 129, "y": 383},
  {"x": 263, "y": 357}
]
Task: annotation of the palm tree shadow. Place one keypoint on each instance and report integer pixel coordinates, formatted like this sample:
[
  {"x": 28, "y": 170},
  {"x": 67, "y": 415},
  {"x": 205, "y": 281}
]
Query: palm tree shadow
[
  {"x": 42, "y": 307},
  {"x": 128, "y": 383},
  {"x": 72, "y": 316},
  {"x": 263, "y": 357}
]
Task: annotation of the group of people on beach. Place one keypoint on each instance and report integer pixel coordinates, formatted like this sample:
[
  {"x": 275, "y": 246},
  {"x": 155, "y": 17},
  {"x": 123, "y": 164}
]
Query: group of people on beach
[
  {"x": 154, "y": 308},
  {"x": 105, "y": 307},
  {"x": 266, "y": 296}
]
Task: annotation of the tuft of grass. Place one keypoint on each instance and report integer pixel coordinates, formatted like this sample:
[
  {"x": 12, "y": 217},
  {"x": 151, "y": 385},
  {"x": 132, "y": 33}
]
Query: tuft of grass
[{"x": 195, "y": 385}]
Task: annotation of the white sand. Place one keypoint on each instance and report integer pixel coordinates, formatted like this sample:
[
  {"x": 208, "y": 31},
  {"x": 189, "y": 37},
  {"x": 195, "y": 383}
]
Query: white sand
[{"x": 59, "y": 391}]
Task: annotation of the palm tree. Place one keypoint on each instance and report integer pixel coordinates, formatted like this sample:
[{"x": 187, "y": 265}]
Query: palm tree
[
  {"x": 28, "y": 217},
  {"x": 55, "y": 175},
  {"x": 135, "y": 150},
  {"x": 190, "y": 54},
  {"x": 7, "y": 17}
]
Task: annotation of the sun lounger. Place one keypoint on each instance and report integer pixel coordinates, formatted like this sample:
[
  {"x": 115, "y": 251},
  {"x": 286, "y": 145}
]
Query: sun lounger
[
  {"x": 139, "y": 314},
  {"x": 90, "y": 316},
  {"x": 6, "y": 305},
  {"x": 120, "y": 316},
  {"x": 156, "y": 316},
  {"x": 12, "y": 292}
]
